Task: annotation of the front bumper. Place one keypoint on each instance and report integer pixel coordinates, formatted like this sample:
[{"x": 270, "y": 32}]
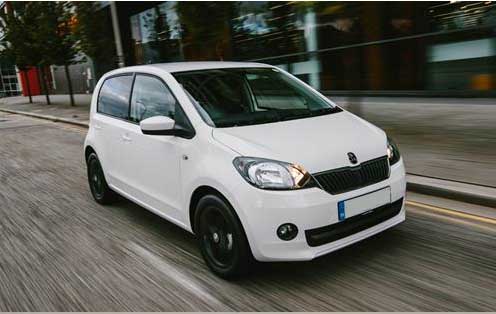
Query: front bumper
[{"x": 262, "y": 211}]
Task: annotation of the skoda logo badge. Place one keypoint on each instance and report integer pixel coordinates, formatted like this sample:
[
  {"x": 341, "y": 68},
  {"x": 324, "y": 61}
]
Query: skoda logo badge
[{"x": 353, "y": 159}]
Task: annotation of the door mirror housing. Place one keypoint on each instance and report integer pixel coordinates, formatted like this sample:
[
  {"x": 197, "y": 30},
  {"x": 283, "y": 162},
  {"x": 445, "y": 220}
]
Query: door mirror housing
[{"x": 158, "y": 125}]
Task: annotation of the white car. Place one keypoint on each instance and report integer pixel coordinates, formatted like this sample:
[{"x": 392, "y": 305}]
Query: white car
[{"x": 253, "y": 161}]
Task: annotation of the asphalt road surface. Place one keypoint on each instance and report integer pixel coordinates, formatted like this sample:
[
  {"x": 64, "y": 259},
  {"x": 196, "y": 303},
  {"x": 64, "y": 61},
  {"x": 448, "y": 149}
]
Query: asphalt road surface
[{"x": 61, "y": 251}]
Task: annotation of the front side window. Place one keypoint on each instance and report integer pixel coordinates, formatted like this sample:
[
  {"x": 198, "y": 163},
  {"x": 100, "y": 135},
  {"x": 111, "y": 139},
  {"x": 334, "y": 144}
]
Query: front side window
[
  {"x": 237, "y": 97},
  {"x": 151, "y": 98},
  {"x": 113, "y": 98}
]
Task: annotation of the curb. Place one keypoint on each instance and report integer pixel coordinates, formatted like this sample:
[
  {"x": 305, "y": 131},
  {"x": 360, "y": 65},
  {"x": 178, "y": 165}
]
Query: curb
[
  {"x": 484, "y": 199},
  {"x": 471, "y": 197},
  {"x": 47, "y": 117}
]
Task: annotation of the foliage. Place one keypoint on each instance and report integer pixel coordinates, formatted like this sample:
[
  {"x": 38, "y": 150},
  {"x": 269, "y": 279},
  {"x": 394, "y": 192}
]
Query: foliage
[
  {"x": 18, "y": 44},
  {"x": 92, "y": 32},
  {"x": 38, "y": 34},
  {"x": 53, "y": 35}
]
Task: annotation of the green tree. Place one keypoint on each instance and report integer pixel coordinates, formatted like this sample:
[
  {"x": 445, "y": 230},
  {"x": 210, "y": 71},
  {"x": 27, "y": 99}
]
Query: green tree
[
  {"x": 39, "y": 33},
  {"x": 93, "y": 35},
  {"x": 54, "y": 37},
  {"x": 18, "y": 43}
]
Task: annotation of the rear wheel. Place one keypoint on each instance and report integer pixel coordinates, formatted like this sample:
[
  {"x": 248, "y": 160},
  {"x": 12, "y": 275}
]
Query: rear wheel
[
  {"x": 222, "y": 240},
  {"x": 96, "y": 179}
]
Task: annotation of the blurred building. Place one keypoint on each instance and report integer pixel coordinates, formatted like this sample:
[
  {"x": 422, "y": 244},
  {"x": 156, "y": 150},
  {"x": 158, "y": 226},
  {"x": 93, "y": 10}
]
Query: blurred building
[
  {"x": 433, "y": 48},
  {"x": 9, "y": 81},
  {"x": 82, "y": 77},
  {"x": 355, "y": 48}
]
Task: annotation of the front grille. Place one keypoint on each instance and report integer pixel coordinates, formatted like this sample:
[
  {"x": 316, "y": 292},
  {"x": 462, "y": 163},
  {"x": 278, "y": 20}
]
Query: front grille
[
  {"x": 330, "y": 233},
  {"x": 350, "y": 178}
]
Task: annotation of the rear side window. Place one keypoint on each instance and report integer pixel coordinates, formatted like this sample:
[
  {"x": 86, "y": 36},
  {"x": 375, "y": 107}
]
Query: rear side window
[{"x": 114, "y": 96}]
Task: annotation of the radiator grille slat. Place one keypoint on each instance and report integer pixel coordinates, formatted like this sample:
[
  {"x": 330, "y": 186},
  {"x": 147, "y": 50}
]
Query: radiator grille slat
[{"x": 350, "y": 178}]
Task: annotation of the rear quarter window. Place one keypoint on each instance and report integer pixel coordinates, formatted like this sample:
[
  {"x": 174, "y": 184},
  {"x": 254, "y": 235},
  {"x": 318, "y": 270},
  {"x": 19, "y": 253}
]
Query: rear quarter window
[{"x": 113, "y": 98}]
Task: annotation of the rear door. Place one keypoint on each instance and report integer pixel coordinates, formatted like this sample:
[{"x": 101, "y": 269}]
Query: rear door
[{"x": 109, "y": 121}]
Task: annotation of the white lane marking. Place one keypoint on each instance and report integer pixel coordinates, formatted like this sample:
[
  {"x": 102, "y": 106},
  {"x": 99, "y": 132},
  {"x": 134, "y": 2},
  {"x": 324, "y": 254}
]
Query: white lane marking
[{"x": 175, "y": 274}]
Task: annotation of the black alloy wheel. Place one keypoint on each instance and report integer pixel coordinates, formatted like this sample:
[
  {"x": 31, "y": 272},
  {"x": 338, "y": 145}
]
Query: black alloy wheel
[
  {"x": 98, "y": 185},
  {"x": 222, "y": 240}
]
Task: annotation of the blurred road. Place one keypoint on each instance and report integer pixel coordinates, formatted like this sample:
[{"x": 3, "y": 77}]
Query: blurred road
[{"x": 60, "y": 251}]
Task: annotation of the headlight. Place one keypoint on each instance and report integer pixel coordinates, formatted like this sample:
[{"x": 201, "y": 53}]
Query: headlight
[
  {"x": 272, "y": 174},
  {"x": 393, "y": 152}
]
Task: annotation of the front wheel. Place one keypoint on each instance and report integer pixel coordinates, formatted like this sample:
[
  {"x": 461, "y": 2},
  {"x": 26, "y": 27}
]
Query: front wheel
[
  {"x": 221, "y": 237},
  {"x": 98, "y": 185}
]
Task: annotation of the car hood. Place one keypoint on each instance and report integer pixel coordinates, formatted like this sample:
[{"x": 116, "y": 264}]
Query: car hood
[{"x": 318, "y": 143}]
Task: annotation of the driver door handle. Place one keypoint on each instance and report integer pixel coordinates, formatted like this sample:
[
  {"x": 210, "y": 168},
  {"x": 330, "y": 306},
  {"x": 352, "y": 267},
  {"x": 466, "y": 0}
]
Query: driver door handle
[{"x": 126, "y": 138}]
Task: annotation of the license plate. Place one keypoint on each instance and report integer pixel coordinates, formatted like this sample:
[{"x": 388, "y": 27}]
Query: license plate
[{"x": 361, "y": 204}]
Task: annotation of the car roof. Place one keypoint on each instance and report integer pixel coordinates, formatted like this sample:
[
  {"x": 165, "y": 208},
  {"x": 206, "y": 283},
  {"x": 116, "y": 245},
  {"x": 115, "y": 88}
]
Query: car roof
[
  {"x": 174, "y": 67},
  {"x": 205, "y": 65}
]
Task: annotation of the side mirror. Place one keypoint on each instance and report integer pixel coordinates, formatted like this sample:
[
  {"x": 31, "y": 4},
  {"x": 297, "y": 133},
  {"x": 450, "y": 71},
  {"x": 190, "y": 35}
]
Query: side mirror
[{"x": 158, "y": 125}]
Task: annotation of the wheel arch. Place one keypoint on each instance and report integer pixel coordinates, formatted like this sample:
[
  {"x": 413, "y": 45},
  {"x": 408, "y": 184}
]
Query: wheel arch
[
  {"x": 203, "y": 190},
  {"x": 197, "y": 194},
  {"x": 87, "y": 152}
]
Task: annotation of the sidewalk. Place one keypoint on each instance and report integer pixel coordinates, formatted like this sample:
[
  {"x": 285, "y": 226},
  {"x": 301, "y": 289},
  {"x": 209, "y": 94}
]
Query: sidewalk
[
  {"x": 59, "y": 108},
  {"x": 463, "y": 192},
  {"x": 442, "y": 140}
]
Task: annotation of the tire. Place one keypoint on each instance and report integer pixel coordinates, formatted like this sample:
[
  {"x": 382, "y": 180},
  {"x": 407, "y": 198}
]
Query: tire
[
  {"x": 98, "y": 185},
  {"x": 221, "y": 237}
]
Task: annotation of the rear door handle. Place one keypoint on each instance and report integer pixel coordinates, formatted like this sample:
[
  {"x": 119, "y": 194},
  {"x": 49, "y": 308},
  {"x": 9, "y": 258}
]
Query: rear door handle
[
  {"x": 97, "y": 127},
  {"x": 126, "y": 138}
]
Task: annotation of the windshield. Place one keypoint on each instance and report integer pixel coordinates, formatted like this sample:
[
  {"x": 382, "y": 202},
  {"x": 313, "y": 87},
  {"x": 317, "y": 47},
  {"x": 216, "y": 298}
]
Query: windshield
[{"x": 237, "y": 97}]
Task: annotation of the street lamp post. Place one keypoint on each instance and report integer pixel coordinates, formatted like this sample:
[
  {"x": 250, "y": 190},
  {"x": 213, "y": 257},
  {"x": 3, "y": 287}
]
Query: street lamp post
[{"x": 117, "y": 35}]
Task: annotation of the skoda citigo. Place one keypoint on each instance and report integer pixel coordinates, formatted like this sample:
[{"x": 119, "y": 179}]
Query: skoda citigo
[{"x": 253, "y": 161}]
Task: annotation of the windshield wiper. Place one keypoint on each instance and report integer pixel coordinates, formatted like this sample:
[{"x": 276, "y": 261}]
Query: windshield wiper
[
  {"x": 273, "y": 115},
  {"x": 323, "y": 111},
  {"x": 291, "y": 114},
  {"x": 241, "y": 120}
]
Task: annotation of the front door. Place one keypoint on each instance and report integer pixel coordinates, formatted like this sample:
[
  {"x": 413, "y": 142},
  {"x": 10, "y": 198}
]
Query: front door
[{"x": 151, "y": 163}]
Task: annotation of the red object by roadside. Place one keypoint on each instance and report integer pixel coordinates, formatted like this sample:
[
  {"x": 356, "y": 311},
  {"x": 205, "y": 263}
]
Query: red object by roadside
[{"x": 34, "y": 83}]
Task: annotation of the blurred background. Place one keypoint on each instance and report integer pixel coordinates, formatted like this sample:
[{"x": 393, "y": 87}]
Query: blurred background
[
  {"x": 420, "y": 48},
  {"x": 423, "y": 71},
  {"x": 347, "y": 48}
]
